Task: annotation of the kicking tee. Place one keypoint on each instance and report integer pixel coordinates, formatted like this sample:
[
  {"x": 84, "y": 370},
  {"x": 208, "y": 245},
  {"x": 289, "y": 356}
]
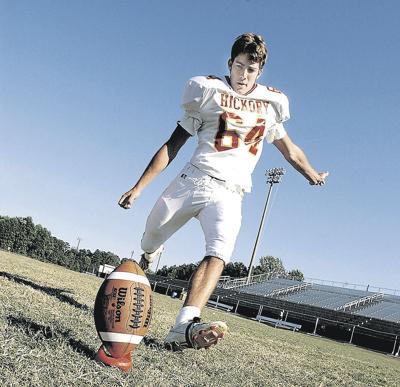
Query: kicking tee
[{"x": 231, "y": 127}]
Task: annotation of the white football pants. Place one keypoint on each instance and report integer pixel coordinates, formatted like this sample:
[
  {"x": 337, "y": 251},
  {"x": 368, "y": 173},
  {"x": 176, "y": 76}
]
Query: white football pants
[{"x": 217, "y": 205}]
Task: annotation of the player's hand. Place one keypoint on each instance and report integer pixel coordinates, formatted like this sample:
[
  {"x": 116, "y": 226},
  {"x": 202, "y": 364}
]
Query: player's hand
[
  {"x": 320, "y": 178},
  {"x": 128, "y": 198}
]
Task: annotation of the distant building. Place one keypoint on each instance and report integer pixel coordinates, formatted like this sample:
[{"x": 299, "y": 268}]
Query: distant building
[{"x": 104, "y": 270}]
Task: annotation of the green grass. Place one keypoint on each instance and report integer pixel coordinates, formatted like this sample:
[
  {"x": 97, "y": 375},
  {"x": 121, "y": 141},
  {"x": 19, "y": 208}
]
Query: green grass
[{"x": 48, "y": 338}]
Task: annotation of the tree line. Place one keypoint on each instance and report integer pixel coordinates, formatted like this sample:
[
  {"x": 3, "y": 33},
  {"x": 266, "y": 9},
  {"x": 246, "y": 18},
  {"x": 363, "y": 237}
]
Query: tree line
[
  {"x": 20, "y": 235},
  {"x": 267, "y": 265}
]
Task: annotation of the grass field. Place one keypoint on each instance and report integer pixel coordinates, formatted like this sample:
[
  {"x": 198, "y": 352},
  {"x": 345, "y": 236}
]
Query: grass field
[{"x": 48, "y": 338}]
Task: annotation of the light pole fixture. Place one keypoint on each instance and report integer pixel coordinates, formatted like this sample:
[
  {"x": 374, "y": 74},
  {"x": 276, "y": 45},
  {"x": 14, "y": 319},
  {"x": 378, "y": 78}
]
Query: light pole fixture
[{"x": 274, "y": 176}]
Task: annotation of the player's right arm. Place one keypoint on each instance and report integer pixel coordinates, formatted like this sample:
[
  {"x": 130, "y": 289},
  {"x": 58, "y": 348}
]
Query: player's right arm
[{"x": 158, "y": 163}]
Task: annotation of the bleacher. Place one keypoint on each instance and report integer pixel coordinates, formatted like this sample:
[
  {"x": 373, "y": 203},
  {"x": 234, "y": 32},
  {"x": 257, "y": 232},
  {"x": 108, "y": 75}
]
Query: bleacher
[
  {"x": 167, "y": 280},
  {"x": 323, "y": 296},
  {"x": 274, "y": 287},
  {"x": 355, "y": 301},
  {"x": 167, "y": 285},
  {"x": 319, "y": 309},
  {"x": 388, "y": 309}
]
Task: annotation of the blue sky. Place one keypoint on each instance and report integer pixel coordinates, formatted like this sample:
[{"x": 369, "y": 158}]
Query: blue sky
[{"x": 90, "y": 90}]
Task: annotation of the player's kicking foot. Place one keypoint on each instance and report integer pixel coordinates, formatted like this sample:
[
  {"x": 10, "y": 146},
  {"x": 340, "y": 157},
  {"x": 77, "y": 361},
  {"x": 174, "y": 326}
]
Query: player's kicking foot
[
  {"x": 123, "y": 363},
  {"x": 146, "y": 259},
  {"x": 195, "y": 334}
]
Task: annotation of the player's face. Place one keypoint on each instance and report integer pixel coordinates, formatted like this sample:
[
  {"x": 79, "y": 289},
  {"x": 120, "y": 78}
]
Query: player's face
[{"x": 244, "y": 73}]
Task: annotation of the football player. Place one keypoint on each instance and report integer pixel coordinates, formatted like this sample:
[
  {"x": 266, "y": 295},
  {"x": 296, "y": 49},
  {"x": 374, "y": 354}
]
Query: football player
[{"x": 231, "y": 116}]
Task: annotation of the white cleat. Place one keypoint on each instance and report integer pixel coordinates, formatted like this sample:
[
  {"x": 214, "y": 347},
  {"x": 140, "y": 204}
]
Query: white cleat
[
  {"x": 194, "y": 334},
  {"x": 147, "y": 259}
]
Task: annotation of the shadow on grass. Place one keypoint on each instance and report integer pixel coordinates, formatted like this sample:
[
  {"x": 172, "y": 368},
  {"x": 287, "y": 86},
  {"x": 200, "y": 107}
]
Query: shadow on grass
[
  {"x": 153, "y": 343},
  {"x": 48, "y": 332},
  {"x": 37, "y": 331},
  {"x": 54, "y": 292}
]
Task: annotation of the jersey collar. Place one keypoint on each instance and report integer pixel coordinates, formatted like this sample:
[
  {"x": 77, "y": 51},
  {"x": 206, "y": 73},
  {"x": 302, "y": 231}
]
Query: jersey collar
[{"x": 228, "y": 80}]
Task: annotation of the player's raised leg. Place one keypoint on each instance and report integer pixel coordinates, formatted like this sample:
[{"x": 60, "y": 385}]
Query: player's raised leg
[{"x": 171, "y": 211}]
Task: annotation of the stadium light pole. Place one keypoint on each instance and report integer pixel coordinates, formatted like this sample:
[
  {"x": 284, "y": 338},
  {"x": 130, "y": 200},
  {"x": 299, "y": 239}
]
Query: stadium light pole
[
  {"x": 274, "y": 176},
  {"x": 79, "y": 242},
  {"x": 159, "y": 257}
]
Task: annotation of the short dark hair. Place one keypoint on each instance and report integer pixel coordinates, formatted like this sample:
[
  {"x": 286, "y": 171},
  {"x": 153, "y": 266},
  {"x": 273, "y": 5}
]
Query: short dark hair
[{"x": 251, "y": 44}]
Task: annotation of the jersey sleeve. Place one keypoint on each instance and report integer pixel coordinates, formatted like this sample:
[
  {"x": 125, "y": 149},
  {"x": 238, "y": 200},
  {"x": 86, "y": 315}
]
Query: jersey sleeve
[
  {"x": 284, "y": 113},
  {"x": 191, "y": 102},
  {"x": 280, "y": 104},
  {"x": 275, "y": 132}
]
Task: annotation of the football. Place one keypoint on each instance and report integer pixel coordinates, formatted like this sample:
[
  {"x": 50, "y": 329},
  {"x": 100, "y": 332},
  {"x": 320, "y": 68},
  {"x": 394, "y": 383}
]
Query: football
[{"x": 123, "y": 309}]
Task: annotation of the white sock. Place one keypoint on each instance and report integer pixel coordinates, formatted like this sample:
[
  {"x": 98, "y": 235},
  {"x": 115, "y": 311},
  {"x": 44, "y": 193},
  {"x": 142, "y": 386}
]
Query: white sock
[{"x": 187, "y": 313}]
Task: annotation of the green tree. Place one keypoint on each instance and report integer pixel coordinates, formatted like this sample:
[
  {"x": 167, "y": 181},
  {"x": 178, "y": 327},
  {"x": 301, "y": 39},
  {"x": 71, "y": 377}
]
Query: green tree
[
  {"x": 41, "y": 244},
  {"x": 172, "y": 271},
  {"x": 83, "y": 259},
  {"x": 60, "y": 253},
  {"x": 185, "y": 271},
  {"x": 8, "y": 231},
  {"x": 163, "y": 271},
  {"x": 296, "y": 275},
  {"x": 24, "y": 233},
  {"x": 101, "y": 257},
  {"x": 182, "y": 272},
  {"x": 235, "y": 270},
  {"x": 270, "y": 265},
  {"x": 112, "y": 259},
  {"x": 21, "y": 235}
]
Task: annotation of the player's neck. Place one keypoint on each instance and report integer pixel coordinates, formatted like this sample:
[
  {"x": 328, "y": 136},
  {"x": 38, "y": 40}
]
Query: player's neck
[{"x": 228, "y": 80}]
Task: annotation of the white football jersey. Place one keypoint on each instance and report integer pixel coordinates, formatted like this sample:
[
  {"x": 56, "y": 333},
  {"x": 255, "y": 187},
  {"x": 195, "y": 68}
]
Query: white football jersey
[{"x": 231, "y": 127}]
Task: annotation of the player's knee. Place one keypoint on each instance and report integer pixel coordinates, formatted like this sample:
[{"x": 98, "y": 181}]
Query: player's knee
[
  {"x": 150, "y": 243},
  {"x": 221, "y": 251},
  {"x": 216, "y": 260}
]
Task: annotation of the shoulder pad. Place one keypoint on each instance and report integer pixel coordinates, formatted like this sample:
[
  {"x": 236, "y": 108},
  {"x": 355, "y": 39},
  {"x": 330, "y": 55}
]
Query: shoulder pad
[
  {"x": 193, "y": 92},
  {"x": 270, "y": 88},
  {"x": 213, "y": 77},
  {"x": 209, "y": 81},
  {"x": 279, "y": 101}
]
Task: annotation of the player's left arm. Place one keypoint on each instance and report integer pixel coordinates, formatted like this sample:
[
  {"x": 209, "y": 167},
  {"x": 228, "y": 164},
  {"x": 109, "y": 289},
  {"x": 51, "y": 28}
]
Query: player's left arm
[{"x": 297, "y": 158}]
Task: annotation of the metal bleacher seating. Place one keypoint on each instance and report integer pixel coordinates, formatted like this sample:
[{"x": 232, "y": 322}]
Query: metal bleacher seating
[
  {"x": 274, "y": 287},
  {"x": 323, "y": 296},
  {"x": 309, "y": 304},
  {"x": 388, "y": 309},
  {"x": 357, "y": 303}
]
